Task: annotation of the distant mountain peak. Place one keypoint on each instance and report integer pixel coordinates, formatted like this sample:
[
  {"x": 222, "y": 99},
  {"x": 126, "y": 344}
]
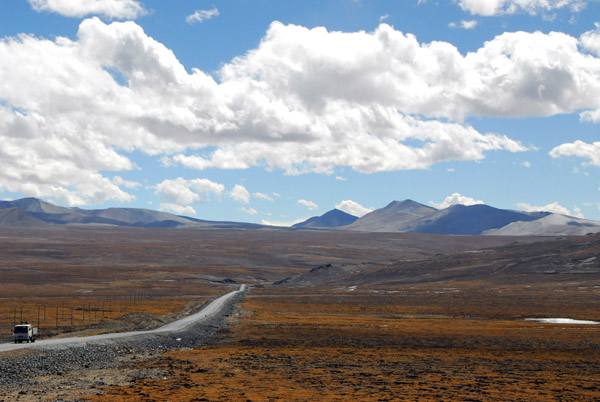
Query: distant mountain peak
[
  {"x": 397, "y": 216},
  {"x": 406, "y": 202},
  {"x": 331, "y": 219},
  {"x": 408, "y": 205}
]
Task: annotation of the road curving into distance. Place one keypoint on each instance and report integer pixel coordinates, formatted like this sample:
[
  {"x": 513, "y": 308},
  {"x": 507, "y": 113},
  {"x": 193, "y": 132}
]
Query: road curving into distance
[{"x": 208, "y": 311}]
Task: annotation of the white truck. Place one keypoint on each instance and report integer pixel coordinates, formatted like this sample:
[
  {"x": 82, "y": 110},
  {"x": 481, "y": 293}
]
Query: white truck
[{"x": 24, "y": 332}]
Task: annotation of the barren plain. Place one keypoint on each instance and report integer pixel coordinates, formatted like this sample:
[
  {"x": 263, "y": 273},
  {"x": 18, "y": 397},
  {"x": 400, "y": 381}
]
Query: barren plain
[{"x": 331, "y": 316}]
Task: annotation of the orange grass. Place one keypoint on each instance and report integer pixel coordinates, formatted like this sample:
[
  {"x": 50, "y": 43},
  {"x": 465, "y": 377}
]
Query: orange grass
[{"x": 309, "y": 345}]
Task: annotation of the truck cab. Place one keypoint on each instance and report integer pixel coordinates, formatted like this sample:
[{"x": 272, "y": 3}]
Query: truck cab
[{"x": 24, "y": 332}]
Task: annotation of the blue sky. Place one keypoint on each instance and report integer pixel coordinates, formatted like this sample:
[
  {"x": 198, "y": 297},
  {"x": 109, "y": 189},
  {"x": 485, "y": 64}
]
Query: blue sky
[{"x": 274, "y": 111}]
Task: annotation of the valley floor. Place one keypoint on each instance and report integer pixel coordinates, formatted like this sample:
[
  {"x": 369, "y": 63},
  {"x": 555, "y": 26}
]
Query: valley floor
[
  {"x": 353, "y": 316},
  {"x": 413, "y": 344}
]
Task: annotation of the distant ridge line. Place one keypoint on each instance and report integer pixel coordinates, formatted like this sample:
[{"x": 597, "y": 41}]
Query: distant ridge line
[{"x": 406, "y": 216}]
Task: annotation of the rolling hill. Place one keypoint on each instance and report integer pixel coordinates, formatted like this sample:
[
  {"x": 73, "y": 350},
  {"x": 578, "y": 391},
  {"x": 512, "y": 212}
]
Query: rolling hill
[
  {"x": 554, "y": 224},
  {"x": 573, "y": 261},
  {"x": 468, "y": 220},
  {"x": 16, "y": 217},
  {"x": 32, "y": 212}
]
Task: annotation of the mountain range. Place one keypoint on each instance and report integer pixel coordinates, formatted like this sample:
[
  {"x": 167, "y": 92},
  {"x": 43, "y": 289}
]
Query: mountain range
[
  {"x": 33, "y": 212},
  {"x": 410, "y": 216},
  {"x": 398, "y": 216}
]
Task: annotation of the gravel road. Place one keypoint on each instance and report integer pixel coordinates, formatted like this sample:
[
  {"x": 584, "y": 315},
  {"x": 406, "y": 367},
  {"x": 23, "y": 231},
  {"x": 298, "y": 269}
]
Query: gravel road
[{"x": 21, "y": 367}]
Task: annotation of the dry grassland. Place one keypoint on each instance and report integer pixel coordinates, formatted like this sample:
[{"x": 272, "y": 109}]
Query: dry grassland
[
  {"x": 419, "y": 344},
  {"x": 422, "y": 324},
  {"x": 88, "y": 280},
  {"x": 82, "y": 283}
]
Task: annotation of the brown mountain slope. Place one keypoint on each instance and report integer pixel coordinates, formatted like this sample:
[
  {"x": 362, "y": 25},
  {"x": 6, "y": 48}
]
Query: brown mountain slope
[
  {"x": 572, "y": 260},
  {"x": 15, "y": 217}
]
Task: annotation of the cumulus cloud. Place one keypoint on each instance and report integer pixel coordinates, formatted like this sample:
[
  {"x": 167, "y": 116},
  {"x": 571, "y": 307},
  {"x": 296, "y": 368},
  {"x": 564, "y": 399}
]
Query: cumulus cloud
[
  {"x": 308, "y": 204},
  {"x": 202, "y": 15},
  {"x": 455, "y": 199},
  {"x": 240, "y": 194},
  {"x": 553, "y": 207},
  {"x": 184, "y": 192},
  {"x": 579, "y": 149},
  {"x": 499, "y": 7},
  {"x": 591, "y": 40},
  {"x": 112, "y": 9},
  {"x": 304, "y": 100},
  {"x": 177, "y": 209},
  {"x": 353, "y": 208}
]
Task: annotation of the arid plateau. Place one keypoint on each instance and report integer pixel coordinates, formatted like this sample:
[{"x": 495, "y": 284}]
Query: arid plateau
[{"x": 328, "y": 315}]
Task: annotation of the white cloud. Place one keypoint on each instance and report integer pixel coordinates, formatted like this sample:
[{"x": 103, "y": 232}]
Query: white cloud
[
  {"x": 499, "y": 7},
  {"x": 202, "y": 15},
  {"x": 208, "y": 187},
  {"x": 340, "y": 178},
  {"x": 250, "y": 211},
  {"x": 554, "y": 207},
  {"x": 526, "y": 164},
  {"x": 471, "y": 24},
  {"x": 119, "y": 181},
  {"x": 185, "y": 192},
  {"x": 193, "y": 162},
  {"x": 455, "y": 199},
  {"x": 305, "y": 100},
  {"x": 591, "y": 40},
  {"x": 177, "y": 209},
  {"x": 579, "y": 149},
  {"x": 263, "y": 196},
  {"x": 240, "y": 194},
  {"x": 308, "y": 204},
  {"x": 112, "y": 9},
  {"x": 353, "y": 208}
]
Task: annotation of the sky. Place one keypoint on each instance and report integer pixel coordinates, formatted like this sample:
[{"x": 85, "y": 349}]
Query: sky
[{"x": 273, "y": 111}]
